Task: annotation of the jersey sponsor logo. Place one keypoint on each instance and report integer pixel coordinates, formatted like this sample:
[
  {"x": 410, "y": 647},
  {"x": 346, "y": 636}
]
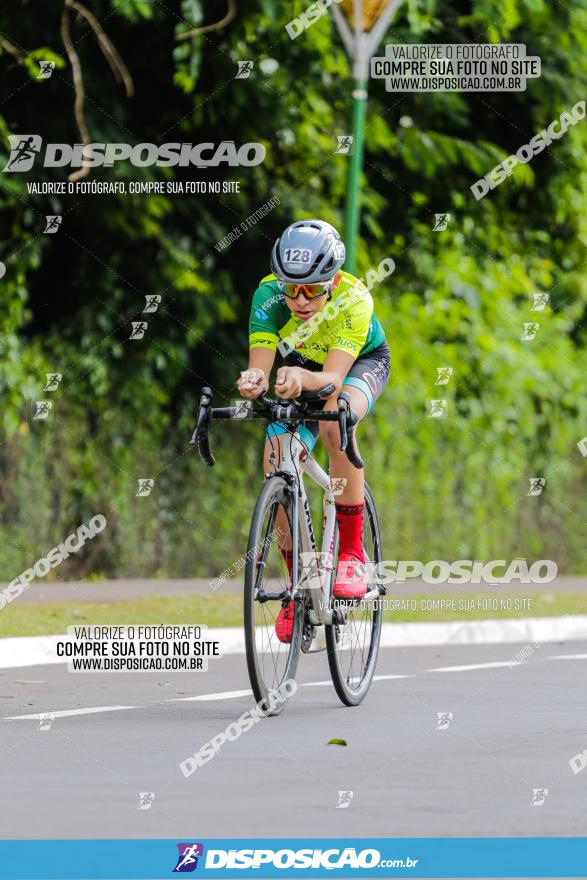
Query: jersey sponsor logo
[
  {"x": 344, "y": 343},
  {"x": 277, "y": 297}
]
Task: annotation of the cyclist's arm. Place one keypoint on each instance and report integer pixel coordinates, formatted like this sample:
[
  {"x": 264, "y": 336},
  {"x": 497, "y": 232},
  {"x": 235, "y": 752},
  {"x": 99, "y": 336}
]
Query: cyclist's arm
[
  {"x": 261, "y": 359},
  {"x": 263, "y": 339},
  {"x": 336, "y": 367},
  {"x": 255, "y": 380}
]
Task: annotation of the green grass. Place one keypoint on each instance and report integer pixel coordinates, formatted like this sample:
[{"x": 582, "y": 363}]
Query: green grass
[
  {"x": 540, "y": 605},
  {"x": 45, "y": 618}
]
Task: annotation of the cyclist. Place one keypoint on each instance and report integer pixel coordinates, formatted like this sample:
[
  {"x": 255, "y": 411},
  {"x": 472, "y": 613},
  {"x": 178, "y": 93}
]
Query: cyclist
[{"x": 321, "y": 319}]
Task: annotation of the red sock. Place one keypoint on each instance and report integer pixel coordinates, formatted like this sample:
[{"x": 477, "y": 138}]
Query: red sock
[
  {"x": 288, "y": 559},
  {"x": 350, "y": 528}
]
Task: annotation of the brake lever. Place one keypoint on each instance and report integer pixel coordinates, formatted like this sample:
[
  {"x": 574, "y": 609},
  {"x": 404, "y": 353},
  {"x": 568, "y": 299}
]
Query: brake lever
[
  {"x": 200, "y": 435},
  {"x": 203, "y": 413},
  {"x": 348, "y": 443},
  {"x": 342, "y": 423}
]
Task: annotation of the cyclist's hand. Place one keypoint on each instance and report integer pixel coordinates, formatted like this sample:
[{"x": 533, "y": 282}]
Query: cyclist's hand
[
  {"x": 251, "y": 383},
  {"x": 288, "y": 383}
]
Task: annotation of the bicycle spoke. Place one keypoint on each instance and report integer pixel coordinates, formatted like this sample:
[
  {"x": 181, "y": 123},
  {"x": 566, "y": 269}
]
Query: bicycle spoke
[{"x": 270, "y": 660}]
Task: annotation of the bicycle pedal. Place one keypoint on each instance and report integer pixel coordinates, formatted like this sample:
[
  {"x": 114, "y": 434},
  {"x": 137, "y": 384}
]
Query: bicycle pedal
[{"x": 318, "y": 643}]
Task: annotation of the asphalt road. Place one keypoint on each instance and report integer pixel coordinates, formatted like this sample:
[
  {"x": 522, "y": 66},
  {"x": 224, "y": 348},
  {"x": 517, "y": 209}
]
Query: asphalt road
[{"x": 514, "y": 729}]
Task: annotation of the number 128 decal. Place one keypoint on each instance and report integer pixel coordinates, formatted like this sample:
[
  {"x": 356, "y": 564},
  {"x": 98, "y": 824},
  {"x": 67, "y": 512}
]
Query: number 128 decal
[{"x": 297, "y": 255}]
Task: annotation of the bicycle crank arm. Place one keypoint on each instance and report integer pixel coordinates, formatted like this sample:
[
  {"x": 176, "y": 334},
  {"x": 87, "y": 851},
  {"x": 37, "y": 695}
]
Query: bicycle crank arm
[{"x": 371, "y": 596}]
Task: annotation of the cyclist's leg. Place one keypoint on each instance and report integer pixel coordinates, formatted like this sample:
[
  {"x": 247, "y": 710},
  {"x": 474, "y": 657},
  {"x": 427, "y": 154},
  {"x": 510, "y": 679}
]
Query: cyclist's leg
[{"x": 363, "y": 384}]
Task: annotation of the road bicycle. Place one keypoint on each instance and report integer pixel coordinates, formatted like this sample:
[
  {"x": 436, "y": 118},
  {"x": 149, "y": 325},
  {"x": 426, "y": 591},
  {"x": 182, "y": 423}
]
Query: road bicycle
[{"x": 349, "y": 630}]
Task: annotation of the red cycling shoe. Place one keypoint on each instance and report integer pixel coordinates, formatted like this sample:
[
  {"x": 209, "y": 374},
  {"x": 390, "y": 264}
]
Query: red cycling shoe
[
  {"x": 352, "y": 578},
  {"x": 284, "y": 623}
]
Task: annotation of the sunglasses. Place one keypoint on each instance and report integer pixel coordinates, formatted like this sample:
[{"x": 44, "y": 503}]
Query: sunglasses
[{"x": 310, "y": 291}]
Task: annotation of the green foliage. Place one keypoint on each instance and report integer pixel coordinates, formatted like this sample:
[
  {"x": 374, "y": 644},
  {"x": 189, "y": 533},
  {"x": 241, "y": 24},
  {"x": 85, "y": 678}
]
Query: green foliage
[{"x": 447, "y": 488}]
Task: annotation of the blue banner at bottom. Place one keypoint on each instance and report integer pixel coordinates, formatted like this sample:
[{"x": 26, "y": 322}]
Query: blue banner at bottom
[{"x": 293, "y": 857}]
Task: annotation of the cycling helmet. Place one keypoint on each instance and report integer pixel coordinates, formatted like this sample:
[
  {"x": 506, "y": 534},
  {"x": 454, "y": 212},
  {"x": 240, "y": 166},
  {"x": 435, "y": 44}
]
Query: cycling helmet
[{"x": 308, "y": 251}]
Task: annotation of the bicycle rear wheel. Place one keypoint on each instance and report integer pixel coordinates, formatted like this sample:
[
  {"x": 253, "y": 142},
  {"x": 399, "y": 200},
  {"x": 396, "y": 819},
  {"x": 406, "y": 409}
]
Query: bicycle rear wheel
[
  {"x": 353, "y": 647},
  {"x": 270, "y": 662}
]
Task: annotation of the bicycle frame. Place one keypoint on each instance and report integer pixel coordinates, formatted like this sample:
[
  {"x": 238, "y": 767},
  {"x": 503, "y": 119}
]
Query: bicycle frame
[
  {"x": 317, "y": 580},
  {"x": 317, "y": 567}
]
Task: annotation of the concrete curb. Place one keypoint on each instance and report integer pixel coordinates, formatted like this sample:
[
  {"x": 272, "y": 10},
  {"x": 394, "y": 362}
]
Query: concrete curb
[{"x": 41, "y": 650}]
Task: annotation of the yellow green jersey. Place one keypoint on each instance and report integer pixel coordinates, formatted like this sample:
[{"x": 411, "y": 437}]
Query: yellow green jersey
[{"x": 346, "y": 323}]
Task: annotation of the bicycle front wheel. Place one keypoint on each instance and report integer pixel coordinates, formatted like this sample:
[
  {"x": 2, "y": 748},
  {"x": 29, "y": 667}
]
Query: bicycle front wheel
[
  {"x": 353, "y": 647},
  {"x": 270, "y": 662}
]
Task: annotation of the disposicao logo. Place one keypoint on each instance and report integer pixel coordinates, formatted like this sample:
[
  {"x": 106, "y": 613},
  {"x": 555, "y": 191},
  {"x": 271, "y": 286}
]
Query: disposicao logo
[
  {"x": 299, "y": 859},
  {"x": 187, "y": 859},
  {"x": 24, "y": 150}
]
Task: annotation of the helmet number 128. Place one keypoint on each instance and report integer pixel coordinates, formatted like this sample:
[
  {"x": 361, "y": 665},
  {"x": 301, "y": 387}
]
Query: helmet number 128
[{"x": 297, "y": 255}]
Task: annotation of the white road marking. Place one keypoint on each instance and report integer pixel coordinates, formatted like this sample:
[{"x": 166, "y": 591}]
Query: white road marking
[
  {"x": 63, "y": 713},
  {"x": 233, "y": 695},
  {"x": 386, "y": 677},
  {"x": 568, "y": 657},
  {"x": 309, "y": 684},
  {"x": 475, "y": 666},
  {"x": 224, "y": 695},
  {"x": 329, "y": 681}
]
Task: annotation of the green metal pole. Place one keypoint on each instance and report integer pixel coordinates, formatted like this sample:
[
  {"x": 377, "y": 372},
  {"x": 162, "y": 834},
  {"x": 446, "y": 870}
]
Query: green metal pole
[{"x": 353, "y": 206}]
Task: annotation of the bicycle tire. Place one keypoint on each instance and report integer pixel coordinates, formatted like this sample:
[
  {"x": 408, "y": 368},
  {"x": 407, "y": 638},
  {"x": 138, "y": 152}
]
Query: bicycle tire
[
  {"x": 348, "y": 695},
  {"x": 275, "y": 491}
]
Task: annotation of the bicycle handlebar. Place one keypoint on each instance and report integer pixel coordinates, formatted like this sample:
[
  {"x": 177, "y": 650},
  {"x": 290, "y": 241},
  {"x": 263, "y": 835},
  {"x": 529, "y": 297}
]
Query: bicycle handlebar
[
  {"x": 347, "y": 418},
  {"x": 279, "y": 410},
  {"x": 200, "y": 434}
]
